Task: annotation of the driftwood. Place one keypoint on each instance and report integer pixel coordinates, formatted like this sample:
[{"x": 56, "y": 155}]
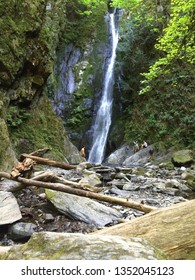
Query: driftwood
[
  {"x": 67, "y": 189},
  {"x": 50, "y": 177},
  {"x": 170, "y": 229},
  {"x": 40, "y": 152},
  {"x": 23, "y": 168},
  {"x": 47, "y": 161},
  {"x": 25, "y": 165}
]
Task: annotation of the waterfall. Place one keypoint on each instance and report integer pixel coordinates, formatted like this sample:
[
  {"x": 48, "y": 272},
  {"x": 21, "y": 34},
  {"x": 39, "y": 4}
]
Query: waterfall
[{"x": 104, "y": 113}]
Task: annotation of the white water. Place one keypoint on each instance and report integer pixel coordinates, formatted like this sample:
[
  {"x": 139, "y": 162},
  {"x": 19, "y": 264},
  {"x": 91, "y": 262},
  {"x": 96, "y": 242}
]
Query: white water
[{"x": 104, "y": 113}]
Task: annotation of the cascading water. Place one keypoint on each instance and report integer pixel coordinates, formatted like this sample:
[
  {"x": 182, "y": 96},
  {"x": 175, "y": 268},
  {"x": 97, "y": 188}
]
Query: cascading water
[{"x": 104, "y": 113}]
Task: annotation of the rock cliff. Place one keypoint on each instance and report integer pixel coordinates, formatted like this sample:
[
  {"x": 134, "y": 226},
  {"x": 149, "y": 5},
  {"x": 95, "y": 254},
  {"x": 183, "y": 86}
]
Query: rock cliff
[{"x": 29, "y": 36}]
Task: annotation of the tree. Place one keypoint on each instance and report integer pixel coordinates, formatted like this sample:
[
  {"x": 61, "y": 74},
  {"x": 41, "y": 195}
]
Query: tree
[{"x": 177, "y": 41}]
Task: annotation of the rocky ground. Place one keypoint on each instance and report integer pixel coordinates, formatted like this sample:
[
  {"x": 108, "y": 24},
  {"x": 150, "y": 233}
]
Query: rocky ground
[{"x": 157, "y": 185}]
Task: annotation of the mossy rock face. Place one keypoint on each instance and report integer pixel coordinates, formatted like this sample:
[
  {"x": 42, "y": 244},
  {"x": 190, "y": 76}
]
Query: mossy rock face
[
  {"x": 183, "y": 158},
  {"x": 19, "y": 21},
  {"x": 7, "y": 155},
  {"x": 43, "y": 129},
  {"x": 29, "y": 36}
]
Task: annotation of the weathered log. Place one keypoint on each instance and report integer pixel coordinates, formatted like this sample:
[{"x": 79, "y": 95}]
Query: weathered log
[
  {"x": 24, "y": 168},
  {"x": 50, "y": 177},
  {"x": 170, "y": 229},
  {"x": 47, "y": 161},
  {"x": 40, "y": 152},
  {"x": 67, "y": 189}
]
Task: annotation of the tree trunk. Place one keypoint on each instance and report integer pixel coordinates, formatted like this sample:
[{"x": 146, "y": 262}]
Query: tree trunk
[
  {"x": 171, "y": 229},
  {"x": 67, "y": 189}
]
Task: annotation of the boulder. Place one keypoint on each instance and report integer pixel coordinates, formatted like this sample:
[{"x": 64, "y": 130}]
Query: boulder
[
  {"x": 190, "y": 178},
  {"x": 117, "y": 157},
  {"x": 83, "y": 209},
  {"x": 21, "y": 231},
  {"x": 183, "y": 158},
  {"x": 69, "y": 246},
  {"x": 9, "y": 209},
  {"x": 91, "y": 178}
]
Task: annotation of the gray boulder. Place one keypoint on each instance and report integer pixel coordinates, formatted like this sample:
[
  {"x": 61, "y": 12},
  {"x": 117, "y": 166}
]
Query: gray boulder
[
  {"x": 118, "y": 157},
  {"x": 21, "y": 231},
  {"x": 83, "y": 209},
  {"x": 69, "y": 246},
  {"x": 9, "y": 209}
]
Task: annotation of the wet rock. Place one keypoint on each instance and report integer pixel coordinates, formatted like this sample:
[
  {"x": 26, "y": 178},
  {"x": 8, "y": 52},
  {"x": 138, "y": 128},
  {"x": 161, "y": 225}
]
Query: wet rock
[
  {"x": 64, "y": 246},
  {"x": 9, "y": 209}
]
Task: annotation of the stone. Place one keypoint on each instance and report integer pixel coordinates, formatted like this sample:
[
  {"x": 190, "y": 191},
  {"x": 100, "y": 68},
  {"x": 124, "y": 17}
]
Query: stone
[
  {"x": 130, "y": 187},
  {"x": 21, "y": 231},
  {"x": 119, "y": 155},
  {"x": 83, "y": 209},
  {"x": 190, "y": 178},
  {"x": 9, "y": 209},
  {"x": 91, "y": 178},
  {"x": 66, "y": 246},
  {"x": 183, "y": 158}
]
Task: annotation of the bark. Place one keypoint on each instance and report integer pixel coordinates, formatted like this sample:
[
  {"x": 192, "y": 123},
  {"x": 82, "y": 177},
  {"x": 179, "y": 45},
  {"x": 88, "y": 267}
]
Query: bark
[
  {"x": 67, "y": 189},
  {"x": 50, "y": 177},
  {"x": 49, "y": 162},
  {"x": 23, "y": 168},
  {"x": 40, "y": 152},
  {"x": 170, "y": 229}
]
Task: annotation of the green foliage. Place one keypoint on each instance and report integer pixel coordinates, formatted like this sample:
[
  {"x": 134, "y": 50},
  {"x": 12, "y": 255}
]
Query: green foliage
[
  {"x": 16, "y": 116},
  {"x": 167, "y": 113},
  {"x": 177, "y": 42}
]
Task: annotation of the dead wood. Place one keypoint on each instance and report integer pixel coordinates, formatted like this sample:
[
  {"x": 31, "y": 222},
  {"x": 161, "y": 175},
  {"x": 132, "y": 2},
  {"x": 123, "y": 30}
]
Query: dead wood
[
  {"x": 50, "y": 177},
  {"x": 23, "y": 168},
  {"x": 40, "y": 152},
  {"x": 170, "y": 229},
  {"x": 47, "y": 161},
  {"x": 67, "y": 189}
]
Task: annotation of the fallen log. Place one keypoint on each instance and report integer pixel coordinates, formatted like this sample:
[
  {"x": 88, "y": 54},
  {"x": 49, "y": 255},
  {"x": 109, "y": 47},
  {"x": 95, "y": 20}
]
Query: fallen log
[
  {"x": 67, "y": 189},
  {"x": 170, "y": 229},
  {"x": 40, "y": 152},
  {"x": 50, "y": 177},
  {"x": 47, "y": 161}
]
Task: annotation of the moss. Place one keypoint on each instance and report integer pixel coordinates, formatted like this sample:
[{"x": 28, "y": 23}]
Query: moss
[
  {"x": 42, "y": 129},
  {"x": 7, "y": 156},
  {"x": 167, "y": 165},
  {"x": 50, "y": 194}
]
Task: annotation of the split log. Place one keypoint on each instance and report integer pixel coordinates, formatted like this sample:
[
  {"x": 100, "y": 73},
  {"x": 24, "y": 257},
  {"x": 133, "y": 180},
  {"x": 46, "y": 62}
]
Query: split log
[
  {"x": 67, "y": 189},
  {"x": 170, "y": 229},
  {"x": 47, "y": 161},
  {"x": 23, "y": 168}
]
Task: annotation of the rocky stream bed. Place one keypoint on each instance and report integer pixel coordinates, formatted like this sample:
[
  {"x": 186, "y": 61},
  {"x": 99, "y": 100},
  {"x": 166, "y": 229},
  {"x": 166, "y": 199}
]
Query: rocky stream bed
[{"x": 150, "y": 183}]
